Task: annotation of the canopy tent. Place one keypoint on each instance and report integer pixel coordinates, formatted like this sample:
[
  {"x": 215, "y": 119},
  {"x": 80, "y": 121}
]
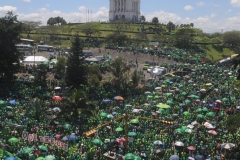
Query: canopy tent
[{"x": 34, "y": 59}]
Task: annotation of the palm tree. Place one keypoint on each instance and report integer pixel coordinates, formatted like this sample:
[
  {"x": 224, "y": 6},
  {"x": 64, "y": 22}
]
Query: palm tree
[
  {"x": 78, "y": 103},
  {"x": 120, "y": 71}
]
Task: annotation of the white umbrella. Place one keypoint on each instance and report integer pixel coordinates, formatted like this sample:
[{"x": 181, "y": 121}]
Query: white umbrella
[
  {"x": 128, "y": 105},
  {"x": 179, "y": 143},
  {"x": 194, "y": 123},
  {"x": 218, "y": 101},
  {"x": 202, "y": 90},
  {"x": 158, "y": 88},
  {"x": 135, "y": 111},
  {"x": 190, "y": 126},
  {"x": 157, "y": 142},
  {"x": 57, "y": 88}
]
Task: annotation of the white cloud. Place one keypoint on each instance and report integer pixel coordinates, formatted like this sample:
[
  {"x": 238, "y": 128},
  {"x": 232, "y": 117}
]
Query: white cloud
[
  {"x": 235, "y": 3},
  {"x": 207, "y": 23},
  {"x": 26, "y": 0},
  {"x": 188, "y": 7},
  {"x": 5, "y": 9},
  {"x": 82, "y": 9},
  {"x": 47, "y": 5},
  {"x": 200, "y": 3}
]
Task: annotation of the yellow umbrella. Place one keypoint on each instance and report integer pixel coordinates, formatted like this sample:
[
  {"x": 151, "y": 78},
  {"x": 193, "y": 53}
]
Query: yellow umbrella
[
  {"x": 208, "y": 84},
  {"x": 161, "y": 105}
]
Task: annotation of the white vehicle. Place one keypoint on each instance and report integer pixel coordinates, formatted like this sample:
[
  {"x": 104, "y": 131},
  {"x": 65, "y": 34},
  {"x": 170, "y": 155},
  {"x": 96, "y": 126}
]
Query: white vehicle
[
  {"x": 159, "y": 71},
  {"x": 45, "y": 48},
  {"x": 24, "y": 48},
  {"x": 150, "y": 69}
]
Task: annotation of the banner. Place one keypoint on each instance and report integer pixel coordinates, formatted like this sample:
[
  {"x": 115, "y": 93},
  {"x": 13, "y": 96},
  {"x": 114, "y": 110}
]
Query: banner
[{"x": 45, "y": 139}]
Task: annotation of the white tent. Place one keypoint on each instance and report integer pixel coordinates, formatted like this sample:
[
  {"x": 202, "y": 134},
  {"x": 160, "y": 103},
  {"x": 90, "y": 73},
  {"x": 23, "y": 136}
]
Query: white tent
[{"x": 36, "y": 59}]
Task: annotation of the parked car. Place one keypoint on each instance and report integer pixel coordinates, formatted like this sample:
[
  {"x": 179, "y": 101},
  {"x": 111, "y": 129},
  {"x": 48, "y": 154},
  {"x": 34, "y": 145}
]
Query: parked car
[
  {"x": 159, "y": 71},
  {"x": 146, "y": 66},
  {"x": 150, "y": 69}
]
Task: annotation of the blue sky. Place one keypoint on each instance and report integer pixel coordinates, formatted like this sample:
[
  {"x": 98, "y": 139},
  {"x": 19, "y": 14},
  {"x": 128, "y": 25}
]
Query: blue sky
[{"x": 210, "y": 15}]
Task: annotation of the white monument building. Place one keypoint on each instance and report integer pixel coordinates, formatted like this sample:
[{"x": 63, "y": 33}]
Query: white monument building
[{"x": 124, "y": 9}]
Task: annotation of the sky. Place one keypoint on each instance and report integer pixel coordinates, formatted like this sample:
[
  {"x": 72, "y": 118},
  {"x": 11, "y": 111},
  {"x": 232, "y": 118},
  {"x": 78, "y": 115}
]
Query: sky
[{"x": 209, "y": 15}]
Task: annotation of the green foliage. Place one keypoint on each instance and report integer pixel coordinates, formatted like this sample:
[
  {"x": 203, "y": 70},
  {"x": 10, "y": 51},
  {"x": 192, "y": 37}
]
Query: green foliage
[
  {"x": 120, "y": 71},
  {"x": 155, "y": 20},
  {"x": 59, "y": 68},
  {"x": 93, "y": 81},
  {"x": 90, "y": 29},
  {"x": 94, "y": 69},
  {"x": 232, "y": 122},
  {"x": 184, "y": 37},
  {"x": 56, "y": 20},
  {"x": 76, "y": 70},
  {"x": 10, "y": 29},
  {"x": 231, "y": 38},
  {"x": 29, "y": 26},
  {"x": 135, "y": 78}
]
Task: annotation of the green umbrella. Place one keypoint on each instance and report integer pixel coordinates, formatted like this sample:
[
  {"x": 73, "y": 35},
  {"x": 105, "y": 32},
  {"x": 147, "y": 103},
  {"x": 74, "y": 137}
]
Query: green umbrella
[
  {"x": 110, "y": 116},
  {"x": 199, "y": 110},
  {"x": 200, "y": 116},
  {"x": 225, "y": 99},
  {"x": 66, "y": 126},
  {"x": 132, "y": 133},
  {"x": 137, "y": 158},
  {"x": 187, "y": 101},
  {"x": 168, "y": 94},
  {"x": 106, "y": 140},
  {"x": 13, "y": 140},
  {"x": 129, "y": 156},
  {"x": 40, "y": 158},
  {"x": 2, "y": 102},
  {"x": 31, "y": 77},
  {"x": 103, "y": 114},
  {"x": 161, "y": 105},
  {"x": 134, "y": 120},
  {"x": 149, "y": 97},
  {"x": 210, "y": 114},
  {"x": 186, "y": 113},
  {"x": 184, "y": 128},
  {"x": 169, "y": 102},
  {"x": 50, "y": 157},
  {"x": 42, "y": 147},
  {"x": 27, "y": 150},
  {"x": 205, "y": 109},
  {"x": 156, "y": 97},
  {"x": 97, "y": 141},
  {"x": 184, "y": 93},
  {"x": 119, "y": 129},
  {"x": 179, "y": 130}
]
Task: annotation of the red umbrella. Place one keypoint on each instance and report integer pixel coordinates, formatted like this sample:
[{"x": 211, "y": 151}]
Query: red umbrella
[
  {"x": 58, "y": 136},
  {"x": 57, "y": 98},
  {"x": 138, "y": 107},
  {"x": 191, "y": 148},
  {"x": 213, "y": 132},
  {"x": 119, "y": 98}
]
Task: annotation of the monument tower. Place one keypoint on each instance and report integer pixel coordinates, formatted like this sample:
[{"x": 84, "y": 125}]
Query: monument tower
[{"x": 124, "y": 9}]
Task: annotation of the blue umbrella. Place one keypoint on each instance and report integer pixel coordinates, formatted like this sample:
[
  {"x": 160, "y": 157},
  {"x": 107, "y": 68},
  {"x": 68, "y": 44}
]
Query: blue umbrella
[
  {"x": 12, "y": 102},
  {"x": 199, "y": 157},
  {"x": 106, "y": 101},
  {"x": 65, "y": 138},
  {"x": 72, "y": 137},
  {"x": 10, "y": 158},
  {"x": 113, "y": 113},
  {"x": 174, "y": 157},
  {"x": 9, "y": 107}
]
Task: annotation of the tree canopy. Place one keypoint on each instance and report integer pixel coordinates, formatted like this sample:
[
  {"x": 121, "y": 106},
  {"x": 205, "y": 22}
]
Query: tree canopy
[
  {"x": 29, "y": 26},
  {"x": 56, "y": 20},
  {"x": 9, "y": 55}
]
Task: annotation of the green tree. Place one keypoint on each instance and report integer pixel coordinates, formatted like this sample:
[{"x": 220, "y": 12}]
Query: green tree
[
  {"x": 135, "y": 78},
  {"x": 232, "y": 122},
  {"x": 120, "y": 71},
  {"x": 77, "y": 69},
  {"x": 60, "y": 67},
  {"x": 170, "y": 26},
  {"x": 142, "y": 18},
  {"x": 184, "y": 37},
  {"x": 56, "y": 20},
  {"x": 77, "y": 103},
  {"x": 90, "y": 29},
  {"x": 10, "y": 33},
  {"x": 29, "y": 26},
  {"x": 231, "y": 38},
  {"x": 155, "y": 20}
]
